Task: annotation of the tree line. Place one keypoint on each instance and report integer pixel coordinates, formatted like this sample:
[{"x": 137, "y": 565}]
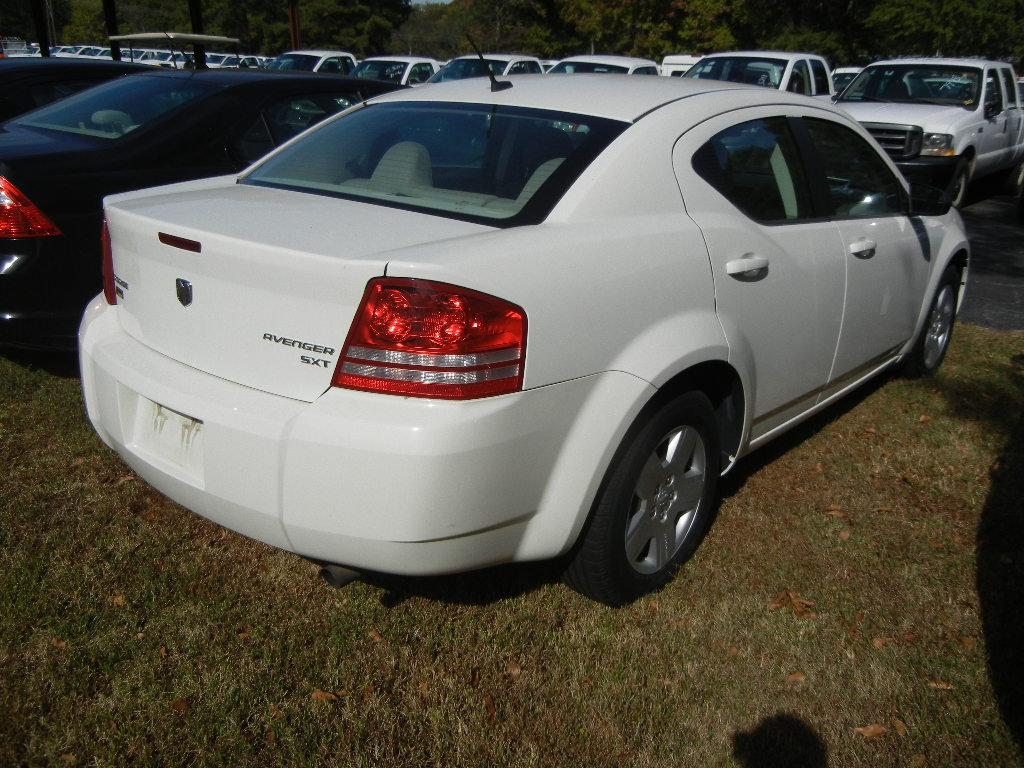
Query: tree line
[{"x": 845, "y": 31}]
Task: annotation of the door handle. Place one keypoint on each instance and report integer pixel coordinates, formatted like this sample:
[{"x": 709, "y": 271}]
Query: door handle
[
  {"x": 863, "y": 247},
  {"x": 746, "y": 266}
]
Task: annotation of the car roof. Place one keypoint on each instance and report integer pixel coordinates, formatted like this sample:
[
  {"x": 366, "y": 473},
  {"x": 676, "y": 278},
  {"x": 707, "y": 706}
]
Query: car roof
[
  {"x": 316, "y": 52},
  {"x": 625, "y": 61},
  {"x": 617, "y": 97},
  {"x": 506, "y": 57},
  {"x": 787, "y": 55},
  {"x": 406, "y": 59},
  {"x": 965, "y": 62},
  {"x": 43, "y": 63}
]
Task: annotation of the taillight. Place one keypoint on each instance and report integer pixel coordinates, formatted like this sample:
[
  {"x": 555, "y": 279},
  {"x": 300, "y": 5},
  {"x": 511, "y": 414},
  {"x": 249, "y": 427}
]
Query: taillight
[
  {"x": 424, "y": 339},
  {"x": 109, "y": 288},
  {"x": 19, "y": 216}
]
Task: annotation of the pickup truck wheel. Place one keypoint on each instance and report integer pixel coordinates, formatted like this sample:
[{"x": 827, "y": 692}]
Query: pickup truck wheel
[
  {"x": 933, "y": 341},
  {"x": 655, "y": 506}
]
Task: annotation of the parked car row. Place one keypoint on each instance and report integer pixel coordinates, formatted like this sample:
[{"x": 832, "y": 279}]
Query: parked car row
[{"x": 461, "y": 325}]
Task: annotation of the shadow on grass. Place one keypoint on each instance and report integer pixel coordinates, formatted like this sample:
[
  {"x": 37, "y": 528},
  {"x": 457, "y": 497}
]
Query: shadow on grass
[
  {"x": 780, "y": 741},
  {"x": 997, "y": 402},
  {"x": 483, "y": 587},
  {"x": 62, "y": 363}
]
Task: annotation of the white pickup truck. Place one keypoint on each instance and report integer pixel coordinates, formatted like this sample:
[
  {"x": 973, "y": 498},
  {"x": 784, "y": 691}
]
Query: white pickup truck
[{"x": 943, "y": 121}]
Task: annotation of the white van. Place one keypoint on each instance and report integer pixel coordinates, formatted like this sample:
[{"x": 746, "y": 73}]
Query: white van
[{"x": 676, "y": 64}]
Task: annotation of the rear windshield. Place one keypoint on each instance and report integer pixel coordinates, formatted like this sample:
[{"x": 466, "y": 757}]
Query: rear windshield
[
  {"x": 299, "y": 62},
  {"x": 118, "y": 107},
  {"x": 918, "y": 84},
  {"x": 388, "y": 71},
  {"x": 460, "y": 69},
  {"x": 587, "y": 67},
  {"x": 484, "y": 163},
  {"x": 749, "y": 70}
]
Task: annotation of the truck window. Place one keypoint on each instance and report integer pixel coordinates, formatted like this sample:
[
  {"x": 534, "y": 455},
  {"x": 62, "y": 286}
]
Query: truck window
[
  {"x": 1011, "y": 91},
  {"x": 820, "y": 77}
]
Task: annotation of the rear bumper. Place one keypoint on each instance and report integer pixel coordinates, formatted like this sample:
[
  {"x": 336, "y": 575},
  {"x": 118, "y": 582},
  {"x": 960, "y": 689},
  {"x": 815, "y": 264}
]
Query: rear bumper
[
  {"x": 374, "y": 482},
  {"x": 44, "y": 287}
]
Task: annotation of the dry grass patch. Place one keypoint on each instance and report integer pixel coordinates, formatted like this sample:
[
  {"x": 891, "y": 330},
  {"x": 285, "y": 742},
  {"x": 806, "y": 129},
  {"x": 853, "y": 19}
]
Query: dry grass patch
[{"x": 858, "y": 602}]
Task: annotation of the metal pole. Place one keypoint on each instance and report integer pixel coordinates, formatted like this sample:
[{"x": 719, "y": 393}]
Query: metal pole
[
  {"x": 110, "y": 20},
  {"x": 195, "y": 12},
  {"x": 39, "y": 19}
]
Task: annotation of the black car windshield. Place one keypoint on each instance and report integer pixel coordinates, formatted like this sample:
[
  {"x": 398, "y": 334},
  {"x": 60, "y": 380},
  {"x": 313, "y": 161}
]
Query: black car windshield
[
  {"x": 460, "y": 69},
  {"x": 749, "y": 70},
  {"x": 916, "y": 83},
  {"x": 388, "y": 71},
  {"x": 477, "y": 162},
  {"x": 587, "y": 67},
  {"x": 297, "y": 62},
  {"x": 119, "y": 107}
]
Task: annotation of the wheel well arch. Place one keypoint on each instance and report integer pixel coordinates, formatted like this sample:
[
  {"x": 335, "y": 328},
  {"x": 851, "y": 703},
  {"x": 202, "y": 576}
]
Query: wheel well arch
[
  {"x": 722, "y": 385},
  {"x": 961, "y": 261}
]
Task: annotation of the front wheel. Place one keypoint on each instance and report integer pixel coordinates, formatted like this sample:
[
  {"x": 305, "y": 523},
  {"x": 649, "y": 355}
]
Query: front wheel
[
  {"x": 958, "y": 190},
  {"x": 655, "y": 506},
  {"x": 933, "y": 342}
]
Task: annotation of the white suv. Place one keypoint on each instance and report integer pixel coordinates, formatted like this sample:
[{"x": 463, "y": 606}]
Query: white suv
[
  {"x": 459, "y": 326},
  {"x": 944, "y": 121}
]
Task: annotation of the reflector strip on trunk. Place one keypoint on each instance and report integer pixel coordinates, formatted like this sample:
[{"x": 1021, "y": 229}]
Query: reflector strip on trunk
[{"x": 180, "y": 242}]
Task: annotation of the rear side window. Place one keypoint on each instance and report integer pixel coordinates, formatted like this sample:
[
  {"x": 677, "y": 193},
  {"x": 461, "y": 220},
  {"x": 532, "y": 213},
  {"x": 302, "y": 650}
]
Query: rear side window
[
  {"x": 859, "y": 182},
  {"x": 1011, "y": 91},
  {"x": 800, "y": 79},
  {"x": 820, "y": 77},
  {"x": 993, "y": 91},
  {"x": 645, "y": 71},
  {"x": 45, "y": 93},
  {"x": 477, "y": 162},
  {"x": 285, "y": 118},
  {"x": 756, "y": 166}
]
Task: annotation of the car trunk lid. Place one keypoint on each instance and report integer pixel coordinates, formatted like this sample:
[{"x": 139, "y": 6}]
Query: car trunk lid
[{"x": 254, "y": 285}]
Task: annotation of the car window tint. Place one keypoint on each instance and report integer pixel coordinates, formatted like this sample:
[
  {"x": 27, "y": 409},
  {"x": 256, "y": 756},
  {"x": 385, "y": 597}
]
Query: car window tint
[
  {"x": 859, "y": 182},
  {"x": 533, "y": 68},
  {"x": 993, "y": 91},
  {"x": 800, "y": 79},
  {"x": 330, "y": 65},
  {"x": 45, "y": 93},
  {"x": 820, "y": 77},
  {"x": 748, "y": 70},
  {"x": 118, "y": 107},
  {"x": 479, "y": 162},
  {"x": 645, "y": 71},
  {"x": 1011, "y": 90},
  {"x": 285, "y": 118},
  {"x": 756, "y": 166},
  {"x": 420, "y": 73}
]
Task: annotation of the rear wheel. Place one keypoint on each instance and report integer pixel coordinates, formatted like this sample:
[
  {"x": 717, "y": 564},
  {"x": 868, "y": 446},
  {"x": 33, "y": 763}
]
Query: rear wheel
[
  {"x": 933, "y": 342},
  {"x": 655, "y": 506}
]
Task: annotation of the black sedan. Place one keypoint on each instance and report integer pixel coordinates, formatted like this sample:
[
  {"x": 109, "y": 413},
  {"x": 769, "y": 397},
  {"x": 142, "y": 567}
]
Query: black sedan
[
  {"x": 57, "y": 163},
  {"x": 29, "y": 83}
]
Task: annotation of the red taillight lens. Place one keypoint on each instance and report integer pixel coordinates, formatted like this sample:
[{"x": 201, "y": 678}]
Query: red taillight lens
[
  {"x": 109, "y": 288},
  {"x": 19, "y": 216},
  {"x": 425, "y": 339}
]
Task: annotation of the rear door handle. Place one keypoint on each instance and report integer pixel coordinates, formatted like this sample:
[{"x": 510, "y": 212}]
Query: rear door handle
[
  {"x": 863, "y": 247},
  {"x": 747, "y": 265}
]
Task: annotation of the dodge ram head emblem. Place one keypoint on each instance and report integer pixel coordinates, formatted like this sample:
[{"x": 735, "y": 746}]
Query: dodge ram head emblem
[{"x": 184, "y": 288}]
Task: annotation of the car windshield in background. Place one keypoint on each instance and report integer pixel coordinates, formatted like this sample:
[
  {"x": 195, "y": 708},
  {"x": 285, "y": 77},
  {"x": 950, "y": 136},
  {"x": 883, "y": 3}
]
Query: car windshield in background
[
  {"x": 748, "y": 70},
  {"x": 477, "y": 162},
  {"x": 294, "y": 62},
  {"x": 388, "y": 71},
  {"x": 587, "y": 67},
  {"x": 843, "y": 79},
  {"x": 916, "y": 83},
  {"x": 116, "y": 108},
  {"x": 460, "y": 69}
]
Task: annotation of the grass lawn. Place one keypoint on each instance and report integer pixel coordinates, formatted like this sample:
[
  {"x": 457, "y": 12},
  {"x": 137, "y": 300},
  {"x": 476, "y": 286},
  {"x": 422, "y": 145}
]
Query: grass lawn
[{"x": 857, "y": 603}]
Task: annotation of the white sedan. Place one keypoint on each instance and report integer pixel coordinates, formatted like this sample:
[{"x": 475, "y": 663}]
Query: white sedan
[{"x": 459, "y": 326}]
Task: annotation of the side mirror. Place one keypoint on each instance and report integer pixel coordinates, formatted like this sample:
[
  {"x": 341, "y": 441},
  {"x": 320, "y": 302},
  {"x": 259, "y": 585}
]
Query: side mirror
[
  {"x": 991, "y": 109},
  {"x": 926, "y": 200}
]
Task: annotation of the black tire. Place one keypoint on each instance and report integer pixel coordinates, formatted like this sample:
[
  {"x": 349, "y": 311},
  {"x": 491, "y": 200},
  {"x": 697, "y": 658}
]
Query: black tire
[
  {"x": 958, "y": 187},
  {"x": 933, "y": 341},
  {"x": 655, "y": 457}
]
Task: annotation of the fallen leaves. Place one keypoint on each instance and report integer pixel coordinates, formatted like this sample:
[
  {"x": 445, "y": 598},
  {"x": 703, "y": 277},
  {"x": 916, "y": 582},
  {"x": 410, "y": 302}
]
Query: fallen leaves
[
  {"x": 940, "y": 685},
  {"x": 59, "y": 644},
  {"x": 492, "y": 711},
  {"x": 376, "y": 636},
  {"x": 900, "y": 726},
  {"x": 872, "y": 731},
  {"x": 844, "y": 535},
  {"x": 180, "y": 705},
  {"x": 801, "y": 606},
  {"x": 513, "y": 672},
  {"x": 796, "y": 677},
  {"x": 118, "y": 600},
  {"x": 881, "y": 642},
  {"x": 323, "y": 696}
]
